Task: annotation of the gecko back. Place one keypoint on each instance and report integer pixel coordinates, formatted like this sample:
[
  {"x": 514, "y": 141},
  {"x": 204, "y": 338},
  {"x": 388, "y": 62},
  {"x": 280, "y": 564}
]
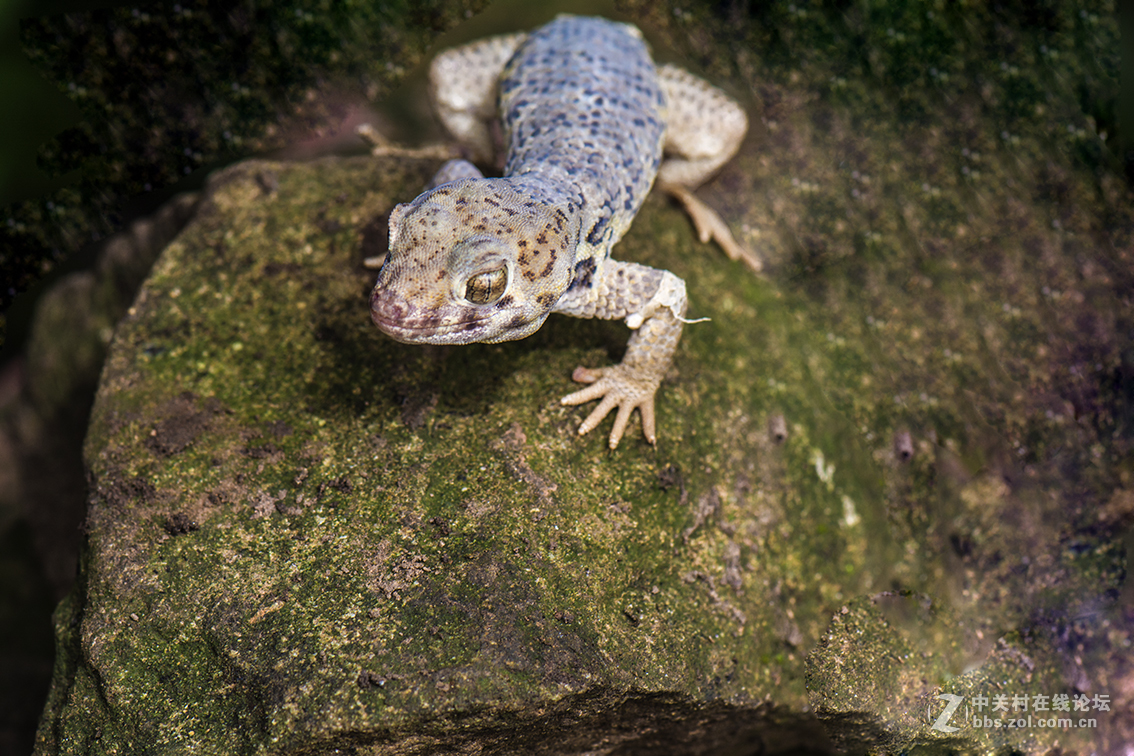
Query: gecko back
[{"x": 583, "y": 112}]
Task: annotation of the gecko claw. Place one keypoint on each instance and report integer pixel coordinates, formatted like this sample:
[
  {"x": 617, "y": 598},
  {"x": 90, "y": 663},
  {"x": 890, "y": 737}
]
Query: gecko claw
[{"x": 616, "y": 386}]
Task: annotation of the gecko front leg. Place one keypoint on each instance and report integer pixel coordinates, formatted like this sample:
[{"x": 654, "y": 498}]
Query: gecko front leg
[{"x": 653, "y": 304}]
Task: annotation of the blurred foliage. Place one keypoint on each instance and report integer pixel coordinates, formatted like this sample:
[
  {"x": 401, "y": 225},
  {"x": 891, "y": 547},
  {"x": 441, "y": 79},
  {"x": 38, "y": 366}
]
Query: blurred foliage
[{"x": 168, "y": 91}]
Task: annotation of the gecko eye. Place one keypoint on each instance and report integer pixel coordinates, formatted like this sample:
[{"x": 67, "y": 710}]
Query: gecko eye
[{"x": 486, "y": 288}]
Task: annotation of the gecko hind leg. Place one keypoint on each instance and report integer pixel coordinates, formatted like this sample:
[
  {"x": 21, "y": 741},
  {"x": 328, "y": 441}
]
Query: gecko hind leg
[
  {"x": 704, "y": 129},
  {"x": 462, "y": 88},
  {"x": 463, "y": 83},
  {"x": 711, "y": 227},
  {"x": 380, "y": 146}
]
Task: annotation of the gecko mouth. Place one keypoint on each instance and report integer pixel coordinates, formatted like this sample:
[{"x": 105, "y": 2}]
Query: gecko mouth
[
  {"x": 428, "y": 331},
  {"x": 409, "y": 323}
]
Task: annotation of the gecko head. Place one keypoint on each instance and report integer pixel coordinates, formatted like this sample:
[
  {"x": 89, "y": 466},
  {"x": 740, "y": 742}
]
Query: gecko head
[{"x": 473, "y": 260}]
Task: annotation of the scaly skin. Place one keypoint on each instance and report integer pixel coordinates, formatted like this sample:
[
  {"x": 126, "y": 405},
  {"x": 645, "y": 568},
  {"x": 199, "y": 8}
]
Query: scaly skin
[{"x": 477, "y": 259}]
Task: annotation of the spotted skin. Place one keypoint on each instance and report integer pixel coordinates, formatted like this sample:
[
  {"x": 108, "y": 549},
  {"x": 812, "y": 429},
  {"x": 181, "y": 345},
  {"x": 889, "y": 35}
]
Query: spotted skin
[{"x": 584, "y": 113}]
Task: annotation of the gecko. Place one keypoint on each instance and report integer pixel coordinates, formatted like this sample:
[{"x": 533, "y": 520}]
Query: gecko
[{"x": 589, "y": 124}]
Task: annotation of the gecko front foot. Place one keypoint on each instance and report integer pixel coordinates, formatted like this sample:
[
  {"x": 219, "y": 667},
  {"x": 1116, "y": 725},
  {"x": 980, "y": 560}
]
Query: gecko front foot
[{"x": 617, "y": 386}]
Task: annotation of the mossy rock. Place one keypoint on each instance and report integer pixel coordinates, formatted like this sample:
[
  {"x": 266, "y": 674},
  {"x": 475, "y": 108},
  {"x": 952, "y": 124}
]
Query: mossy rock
[
  {"x": 304, "y": 537},
  {"x": 366, "y": 535}
]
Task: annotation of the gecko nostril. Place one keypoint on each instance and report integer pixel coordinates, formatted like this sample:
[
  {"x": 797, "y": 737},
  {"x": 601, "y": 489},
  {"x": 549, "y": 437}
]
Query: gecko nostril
[{"x": 386, "y": 308}]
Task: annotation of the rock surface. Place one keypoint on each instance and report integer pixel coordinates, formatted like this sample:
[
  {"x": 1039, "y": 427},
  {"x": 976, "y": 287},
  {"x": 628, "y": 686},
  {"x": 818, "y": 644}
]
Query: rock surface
[
  {"x": 301, "y": 526},
  {"x": 304, "y": 537}
]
